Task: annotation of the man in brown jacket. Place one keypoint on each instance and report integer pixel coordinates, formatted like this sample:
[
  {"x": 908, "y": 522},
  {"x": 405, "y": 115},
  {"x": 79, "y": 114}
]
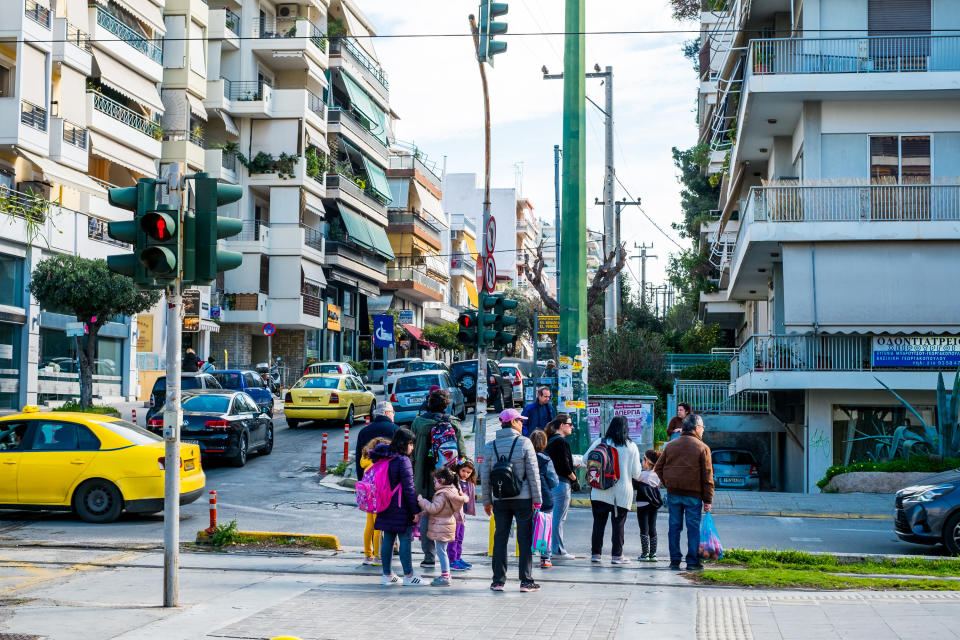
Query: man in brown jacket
[{"x": 686, "y": 470}]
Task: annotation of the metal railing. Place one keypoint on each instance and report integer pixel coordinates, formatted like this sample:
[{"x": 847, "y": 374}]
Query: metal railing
[
  {"x": 313, "y": 237},
  {"x": 179, "y": 135},
  {"x": 317, "y": 38},
  {"x": 77, "y": 37},
  {"x": 366, "y": 64},
  {"x": 138, "y": 41},
  {"x": 465, "y": 262},
  {"x": 243, "y": 91},
  {"x": 119, "y": 112},
  {"x": 415, "y": 161},
  {"x": 33, "y": 116},
  {"x": 97, "y": 230},
  {"x": 415, "y": 218},
  {"x": 344, "y": 183},
  {"x": 74, "y": 134},
  {"x": 228, "y": 160},
  {"x": 315, "y": 104},
  {"x": 852, "y": 203},
  {"x": 275, "y": 27},
  {"x": 713, "y": 397},
  {"x": 231, "y": 21},
  {"x": 37, "y": 12},
  {"x": 676, "y": 362},
  {"x": 409, "y": 274},
  {"x": 353, "y": 251},
  {"x": 338, "y": 115},
  {"x": 24, "y": 205},
  {"x": 252, "y": 231},
  {"x": 771, "y": 56}
]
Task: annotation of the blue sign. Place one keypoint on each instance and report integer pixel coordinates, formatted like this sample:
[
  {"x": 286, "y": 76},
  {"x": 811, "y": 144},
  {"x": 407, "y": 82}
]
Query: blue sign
[
  {"x": 269, "y": 329},
  {"x": 406, "y": 316},
  {"x": 928, "y": 352},
  {"x": 383, "y": 330}
]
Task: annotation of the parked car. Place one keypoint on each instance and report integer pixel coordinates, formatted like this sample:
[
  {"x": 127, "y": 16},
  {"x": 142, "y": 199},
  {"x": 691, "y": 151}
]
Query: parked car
[
  {"x": 224, "y": 423},
  {"x": 376, "y": 371},
  {"x": 188, "y": 382},
  {"x": 426, "y": 365},
  {"x": 519, "y": 381},
  {"x": 499, "y": 388},
  {"x": 330, "y": 367},
  {"x": 249, "y": 382},
  {"x": 929, "y": 512},
  {"x": 328, "y": 396},
  {"x": 735, "y": 469},
  {"x": 395, "y": 368},
  {"x": 411, "y": 389},
  {"x": 93, "y": 464}
]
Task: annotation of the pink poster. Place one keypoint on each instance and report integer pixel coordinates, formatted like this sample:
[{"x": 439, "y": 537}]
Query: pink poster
[
  {"x": 639, "y": 416},
  {"x": 593, "y": 418}
]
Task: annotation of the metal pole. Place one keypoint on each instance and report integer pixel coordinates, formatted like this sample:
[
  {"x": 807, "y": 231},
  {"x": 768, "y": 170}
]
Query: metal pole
[
  {"x": 610, "y": 240},
  {"x": 536, "y": 350},
  {"x": 172, "y": 418},
  {"x": 556, "y": 224},
  {"x": 269, "y": 351}
]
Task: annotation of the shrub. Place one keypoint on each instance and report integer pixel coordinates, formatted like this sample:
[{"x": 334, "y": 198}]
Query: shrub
[
  {"x": 915, "y": 464},
  {"x": 102, "y": 409},
  {"x": 626, "y": 354},
  {"x": 625, "y": 388},
  {"x": 225, "y": 534},
  {"x": 716, "y": 370},
  {"x": 361, "y": 367}
]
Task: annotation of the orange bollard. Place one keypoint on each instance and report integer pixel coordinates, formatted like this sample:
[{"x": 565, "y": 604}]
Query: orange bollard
[
  {"x": 213, "y": 512},
  {"x": 366, "y": 421},
  {"x": 346, "y": 442},
  {"x": 134, "y": 418},
  {"x": 323, "y": 455}
]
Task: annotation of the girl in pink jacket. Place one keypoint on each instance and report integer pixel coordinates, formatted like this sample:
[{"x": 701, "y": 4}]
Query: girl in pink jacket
[{"x": 445, "y": 510}]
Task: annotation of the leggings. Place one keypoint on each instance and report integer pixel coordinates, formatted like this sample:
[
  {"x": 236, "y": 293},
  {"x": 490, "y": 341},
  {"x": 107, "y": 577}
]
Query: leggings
[
  {"x": 371, "y": 538},
  {"x": 455, "y": 548},
  {"x": 647, "y": 519}
]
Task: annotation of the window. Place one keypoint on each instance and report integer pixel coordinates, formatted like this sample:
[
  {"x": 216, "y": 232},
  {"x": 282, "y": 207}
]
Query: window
[
  {"x": 858, "y": 431},
  {"x": 206, "y": 404},
  {"x": 265, "y": 274},
  {"x": 228, "y": 380},
  {"x": 900, "y": 160},
  {"x": 417, "y": 383},
  {"x": 907, "y": 23},
  {"x": 58, "y": 354},
  {"x": 237, "y": 406},
  {"x": 63, "y": 436},
  {"x": 10, "y": 435},
  {"x": 251, "y": 380},
  {"x": 251, "y": 406},
  {"x": 5, "y": 81},
  {"x": 317, "y": 383},
  {"x": 348, "y": 303},
  {"x": 11, "y": 280}
]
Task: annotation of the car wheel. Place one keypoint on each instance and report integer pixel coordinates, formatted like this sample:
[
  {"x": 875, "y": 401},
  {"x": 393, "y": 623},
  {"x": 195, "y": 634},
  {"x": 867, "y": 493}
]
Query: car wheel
[
  {"x": 951, "y": 534},
  {"x": 268, "y": 447},
  {"x": 373, "y": 407},
  {"x": 98, "y": 501},
  {"x": 349, "y": 419},
  {"x": 271, "y": 406},
  {"x": 241, "y": 458},
  {"x": 292, "y": 424}
]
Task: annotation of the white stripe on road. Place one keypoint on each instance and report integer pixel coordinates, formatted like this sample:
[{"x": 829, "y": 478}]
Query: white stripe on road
[{"x": 806, "y": 539}]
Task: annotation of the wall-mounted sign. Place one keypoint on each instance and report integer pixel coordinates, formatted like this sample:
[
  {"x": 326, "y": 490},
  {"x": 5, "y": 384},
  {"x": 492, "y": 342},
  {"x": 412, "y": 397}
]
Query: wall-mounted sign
[
  {"x": 191, "y": 310},
  {"x": 916, "y": 351},
  {"x": 144, "y": 333},
  {"x": 75, "y": 329},
  {"x": 548, "y": 324},
  {"x": 333, "y": 317},
  {"x": 406, "y": 316}
]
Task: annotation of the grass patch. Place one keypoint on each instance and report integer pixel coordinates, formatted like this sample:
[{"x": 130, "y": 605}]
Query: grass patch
[
  {"x": 813, "y": 579},
  {"x": 73, "y": 406},
  {"x": 227, "y": 535},
  {"x": 341, "y": 468},
  {"x": 799, "y": 560}
]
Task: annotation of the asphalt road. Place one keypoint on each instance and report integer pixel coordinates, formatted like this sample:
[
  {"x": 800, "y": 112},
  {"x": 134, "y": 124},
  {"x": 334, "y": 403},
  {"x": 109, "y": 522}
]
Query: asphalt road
[{"x": 281, "y": 492}]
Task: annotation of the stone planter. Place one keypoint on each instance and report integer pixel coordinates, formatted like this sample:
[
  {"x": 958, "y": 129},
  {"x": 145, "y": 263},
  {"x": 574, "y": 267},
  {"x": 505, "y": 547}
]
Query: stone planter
[{"x": 874, "y": 481}]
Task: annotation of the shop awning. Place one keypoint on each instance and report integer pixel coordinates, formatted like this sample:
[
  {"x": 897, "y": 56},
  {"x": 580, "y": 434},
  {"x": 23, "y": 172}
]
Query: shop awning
[
  {"x": 208, "y": 325},
  {"x": 365, "y": 105},
  {"x": 313, "y": 273},
  {"x": 417, "y": 334},
  {"x": 378, "y": 178},
  {"x": 70, "y": 178},
  {"x": 124, "y": 80},
  {"x": 196, "y": 107},
  {"x": 358, "y": 230},
  {"x": 471, "y": 292},
  {"x": 104, "y": 147}
]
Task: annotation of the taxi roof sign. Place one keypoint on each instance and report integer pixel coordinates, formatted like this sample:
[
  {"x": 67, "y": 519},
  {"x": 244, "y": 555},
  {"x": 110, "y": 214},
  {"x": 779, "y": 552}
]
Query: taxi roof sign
[{"x": 31, "y": 408}]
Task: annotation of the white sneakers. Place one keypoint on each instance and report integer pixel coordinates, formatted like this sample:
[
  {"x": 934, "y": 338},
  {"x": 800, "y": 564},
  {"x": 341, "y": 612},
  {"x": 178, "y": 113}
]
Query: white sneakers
[
  {"x": 388, "y": 580},
  {"x": 413, "y": 581}
]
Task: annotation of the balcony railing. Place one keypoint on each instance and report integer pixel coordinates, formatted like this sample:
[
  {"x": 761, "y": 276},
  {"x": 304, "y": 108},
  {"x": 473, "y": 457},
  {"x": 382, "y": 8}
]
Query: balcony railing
[
  {"x": 33, "y": 116},
  {"x": 417, "y": 219},
  {"x": 232, "y": 21},
  {"x": 713, "y": 397},
  {"x": 354, "y": 252},
  {"x": 771, "y": 56},
  {"x": 311, "y": 305},
  {"x": 228, "y": 160},
  {"x": 317, "y": 38},
  {"x": 315, "y": 103},
  {"x": 343, "y": 183},
  {"x": 97, "y": 230},
  {"x": 77, "y": 37},
  {"x": 369, "y": 66},
  {"x": 179, "y": 135},
  {"x": 357, "y": 128},
  {"x": 409, "y": 274},
  {"x": 253, "y": 230},
  {"x": 24, "y": 205},
  {"x": 414, "y": 160},
  {"x": 74, "y": 134},
  {"x": 130, "y": 118},
  {"x": 465, "y": 262},
  {"x": 37, "y": 12},
  {"x": 245, "y": 91},
  {"x": 676, "y": 362},
  {"x": 313, "y": 237},
  {"x": 136, "y": 40},
  {"x": 275, "y": 27}
]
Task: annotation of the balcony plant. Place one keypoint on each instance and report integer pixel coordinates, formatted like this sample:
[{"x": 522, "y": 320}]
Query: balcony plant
[
  {"x": 317, "y": 164},
  {"x": 265, "y": 163},
  {"x": 156, "y": 130}
]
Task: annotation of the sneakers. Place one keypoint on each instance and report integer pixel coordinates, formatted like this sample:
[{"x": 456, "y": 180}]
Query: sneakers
[
  {"x": 596, "y": 559},
  {"x": 428, "y": 563},
  {"x": 652, "y": 557},
  {"x": 565, "y": 556},
  {"x": 619, "y": 560},
  {"x": 376, "y": 563},
  {"x": 674, "y": 566},
  {"x": 545, "y": 563},
  {"x": 371, "y": 561},
  {"x": 468, "y": 565},
  {"x": 496, "y": 586},
  {"x": 390, "y": 579},
  {"x": 527, "y": 587},
  {"x": 440, "y": 581},
  {"x": 460, "y": 565},
  {"x": 413, "y": 581},
  {"x": 694, "y": 567},
  {"x": 643, "y": 557}
]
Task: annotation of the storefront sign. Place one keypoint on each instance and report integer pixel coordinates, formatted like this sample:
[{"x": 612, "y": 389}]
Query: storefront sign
[
  {"x": 333, "y": 317},
  {"x": 75, "y": 329},
  {"x": 916, "y": 351},
  {"x": 191, "y": 310},
  {"x": 145, "y": 333},
  {"x": 405, "y": 316},
  {"x": 548, "y": 324}
]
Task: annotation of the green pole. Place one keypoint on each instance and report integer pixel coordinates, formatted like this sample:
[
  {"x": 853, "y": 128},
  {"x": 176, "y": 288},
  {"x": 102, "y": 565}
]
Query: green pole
[{"x": 573, "y": 225}]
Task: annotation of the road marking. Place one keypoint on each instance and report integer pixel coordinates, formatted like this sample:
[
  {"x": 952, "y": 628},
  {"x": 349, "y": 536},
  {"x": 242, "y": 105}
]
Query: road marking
[
  {"x": 37, "y": 575},
  {"x": 882, "y": 531},
  {"x": 790, "y": 522},
  {"x": 806, "y": 539}
]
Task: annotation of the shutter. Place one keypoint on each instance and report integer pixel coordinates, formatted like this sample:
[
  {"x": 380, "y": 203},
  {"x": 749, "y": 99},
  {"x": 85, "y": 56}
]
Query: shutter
[{"x": 898, "y": 17}]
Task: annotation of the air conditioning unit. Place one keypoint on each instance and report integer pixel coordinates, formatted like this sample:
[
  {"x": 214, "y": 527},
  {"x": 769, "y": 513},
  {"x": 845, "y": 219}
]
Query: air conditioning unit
[{"x": 288, "y": 10}]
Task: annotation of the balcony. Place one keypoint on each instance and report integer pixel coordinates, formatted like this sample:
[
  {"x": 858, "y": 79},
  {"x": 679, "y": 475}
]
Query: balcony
[
  {"x": 311, "y": 305},
  {"x": 37, "y": 12},
  {"x": 463, "y": 265},
  {"x": 28, "y": 21},
  {"x": 123, "y": 124},
  {"x": 224, "y": 25},
  {"x": 371, "y": 71},
  {"x": 250, "y": 98},
  {"x": 347, "y": 256},
  {"x": 314, "y": 238},
  {"x": 69, "y": 143},
  {"x": 343, "y": 122},
  {"x": 183, "y": 146},
  {"x": 713, "y": 397},
  {"x": 411, "y": 163},
  {"x": 298, "y": 103},
  {"x": 414, "y": 284},
  {"x": 288, "y": 43},
  {"x": 344, "y": 188},
  {"x": 33, "y": 116},
  {"x": 676, "y": 362},
  {"x": 71, "y": 46},
  {"x": 221, "y": 164},
  {"x": 414, "y": 222},
  {"x": 110, "y": 31}
]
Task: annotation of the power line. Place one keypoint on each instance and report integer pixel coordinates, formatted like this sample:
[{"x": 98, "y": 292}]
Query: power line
[{"x": 667, "y": 235}]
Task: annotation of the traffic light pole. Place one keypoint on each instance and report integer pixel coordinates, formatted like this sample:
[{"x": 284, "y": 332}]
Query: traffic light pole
[{"x": 172, "y": 418}]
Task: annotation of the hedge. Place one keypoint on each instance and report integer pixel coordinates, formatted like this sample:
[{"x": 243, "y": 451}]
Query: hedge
[{"x": 916, "y": 464}]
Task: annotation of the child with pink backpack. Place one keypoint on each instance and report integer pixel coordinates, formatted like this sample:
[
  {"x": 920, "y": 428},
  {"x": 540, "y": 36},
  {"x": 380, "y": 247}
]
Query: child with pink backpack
[
  {"x": 371, "y": 538},
  {"x": 445, "y": 511}
]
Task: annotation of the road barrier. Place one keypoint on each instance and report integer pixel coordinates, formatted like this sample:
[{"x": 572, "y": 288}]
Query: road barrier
[
  {"x": 213, "y": 512},
  {"x": 346, "y": 442},
  {"x": 133, "y": 419},
  {"x": 323, "y": 455}
]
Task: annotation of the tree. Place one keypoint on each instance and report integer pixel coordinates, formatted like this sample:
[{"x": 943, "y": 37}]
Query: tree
[
  {"x": 94, "y": 294},
  {"x": 444, "y": 336},
  {"x": 602, "y": 279},
  {"x": 626, "y": 354},
  {"x": 685, "y": 9}
]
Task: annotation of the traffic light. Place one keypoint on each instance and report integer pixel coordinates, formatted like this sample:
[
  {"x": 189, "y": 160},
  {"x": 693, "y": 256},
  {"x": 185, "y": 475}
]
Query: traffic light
[
  {"x": 139, "y": 199},
  {"x": 487, "y": 29},
  {"x": 501, "y": 321},
  {"x": 160, "y": 252},
  {"x": 467, "y": 334},
  {"x": 209, "y": 227}
]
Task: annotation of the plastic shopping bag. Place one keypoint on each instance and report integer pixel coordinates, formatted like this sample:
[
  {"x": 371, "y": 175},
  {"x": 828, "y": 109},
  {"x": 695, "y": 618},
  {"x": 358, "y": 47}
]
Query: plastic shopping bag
[
  {"x": 542, "y": 528},
  {"x": 710, "y": 547}
]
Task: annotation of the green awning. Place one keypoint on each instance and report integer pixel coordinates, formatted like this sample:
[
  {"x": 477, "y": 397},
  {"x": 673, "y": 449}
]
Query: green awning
[
  {"x": 381, "y": 243},
  {"x": 365, "y": 105},
  {"x": 357, "y": 228},
  {"x": 378, "y": 179}
]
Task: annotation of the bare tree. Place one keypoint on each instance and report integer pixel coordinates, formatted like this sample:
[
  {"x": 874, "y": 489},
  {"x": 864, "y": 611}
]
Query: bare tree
[{"x": 612, "y": 265}]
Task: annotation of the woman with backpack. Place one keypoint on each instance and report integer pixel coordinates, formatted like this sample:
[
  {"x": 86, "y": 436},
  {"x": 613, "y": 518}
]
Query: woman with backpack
[
  {"x": 558, "y": 430},
  {"x": 548, "y": 482},
  {"x": 612, "y": 463},
  {"x": 397, "y": 520}
]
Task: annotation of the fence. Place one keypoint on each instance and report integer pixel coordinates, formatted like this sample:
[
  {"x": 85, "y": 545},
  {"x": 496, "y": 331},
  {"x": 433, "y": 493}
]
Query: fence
[
  {"x": 713, "y": 397},
  {"x": 136, "y": 40},
  {"x": 33, "y": 116}
]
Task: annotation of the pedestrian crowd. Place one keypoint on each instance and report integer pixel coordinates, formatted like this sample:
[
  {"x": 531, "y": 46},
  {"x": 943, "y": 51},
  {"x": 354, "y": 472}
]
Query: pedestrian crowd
[{"x": 419, "y": 483}]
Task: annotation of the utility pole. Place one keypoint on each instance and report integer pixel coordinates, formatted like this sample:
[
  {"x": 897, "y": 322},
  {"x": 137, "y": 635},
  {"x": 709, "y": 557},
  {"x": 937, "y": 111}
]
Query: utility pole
[
  {"x": 556, "y": 224},
  {"x": 643, "y": 256}
]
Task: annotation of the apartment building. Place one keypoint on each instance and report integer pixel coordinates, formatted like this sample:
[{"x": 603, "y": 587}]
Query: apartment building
[
  {"x": 833, "y": 125},
  {"x": 528, "y": 236},
  {"x": 464, "y": 257}
]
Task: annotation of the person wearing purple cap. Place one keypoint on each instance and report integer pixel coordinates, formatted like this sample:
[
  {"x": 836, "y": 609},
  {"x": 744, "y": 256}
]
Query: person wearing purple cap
[{"x": 423, "y": 406}]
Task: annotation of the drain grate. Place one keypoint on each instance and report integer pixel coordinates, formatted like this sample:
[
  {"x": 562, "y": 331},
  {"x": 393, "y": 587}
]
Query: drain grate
[{"x": 17, "y": 636}]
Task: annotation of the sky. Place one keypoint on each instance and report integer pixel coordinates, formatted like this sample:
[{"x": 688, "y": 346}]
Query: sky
[{"x": 435, "y": 89}]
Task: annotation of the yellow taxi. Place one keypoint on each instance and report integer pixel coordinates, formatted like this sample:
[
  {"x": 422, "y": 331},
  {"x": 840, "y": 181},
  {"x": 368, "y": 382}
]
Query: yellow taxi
[
  {"x": 95, "y": 465},
  {"x": 328, "y": 396}
]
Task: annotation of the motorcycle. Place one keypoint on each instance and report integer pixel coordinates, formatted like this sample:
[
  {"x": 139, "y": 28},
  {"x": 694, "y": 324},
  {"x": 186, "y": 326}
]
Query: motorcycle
[{"x": 270, "y": 374}]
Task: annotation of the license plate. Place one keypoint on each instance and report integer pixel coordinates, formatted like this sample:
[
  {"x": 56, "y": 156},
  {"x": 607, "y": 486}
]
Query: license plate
[
  {"x": 188, "y": 465},
  {"x": 416, "y": 399},
  {"x": 731, "y": 480}
]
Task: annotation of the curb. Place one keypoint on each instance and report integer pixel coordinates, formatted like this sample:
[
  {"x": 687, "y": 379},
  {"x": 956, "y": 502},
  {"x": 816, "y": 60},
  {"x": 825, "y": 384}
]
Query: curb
[
  {"x": 320, "y": 540},
  {"x": 582, "y": 503}
]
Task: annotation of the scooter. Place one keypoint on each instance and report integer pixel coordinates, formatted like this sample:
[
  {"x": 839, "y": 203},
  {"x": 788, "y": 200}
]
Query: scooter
[{"x": 270, "y": 376}]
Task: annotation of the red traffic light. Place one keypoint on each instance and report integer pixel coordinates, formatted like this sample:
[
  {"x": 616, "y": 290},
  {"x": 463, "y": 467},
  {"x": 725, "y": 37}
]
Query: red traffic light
[
  {"x": 162, "y": 229},
  {"x": 160, "y": 226},
  {"x": 466, "y": 321}
]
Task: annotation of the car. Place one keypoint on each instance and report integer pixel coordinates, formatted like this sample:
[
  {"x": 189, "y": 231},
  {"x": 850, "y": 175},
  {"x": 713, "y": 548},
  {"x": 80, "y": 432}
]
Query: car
[
  {"x": 328, "y": 396},
  {"x": 331, "y": 367},
  {"x": 227, "y": 424},
  {"x": 247, "y": 381},
  {"x": 376, "y": 370},
  {"x": 520, "y": 382},
  {"x": 395, "y": 368},
  {"x": 95, "y": 465},
  {"x": 735, "y": 469},
  {"x": 499, "y": 389},
  {"x": 414, "y": 366},
  {"x": 411, "y": 389},
  {"x": 929, "y": 512},
  {"x": 188, "y": 382}
]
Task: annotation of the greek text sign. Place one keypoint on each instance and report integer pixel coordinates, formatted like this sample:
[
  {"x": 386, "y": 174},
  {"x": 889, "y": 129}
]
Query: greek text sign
[
  {"x": 916, "y": 351},
  {"x": 639, "y": 417}
]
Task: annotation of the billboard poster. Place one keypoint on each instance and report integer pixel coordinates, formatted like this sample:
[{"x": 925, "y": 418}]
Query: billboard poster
[{"x": 639, "y": 415}]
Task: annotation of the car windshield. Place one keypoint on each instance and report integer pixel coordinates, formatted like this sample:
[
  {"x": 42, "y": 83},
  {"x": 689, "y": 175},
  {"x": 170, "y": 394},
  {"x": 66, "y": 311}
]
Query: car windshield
[
  {"x": 207, "y": 404},
  {"x": 732, "y": 457},
  {"x": 417, "y": 383},
  {"x": 130, "y": 431},
  {"x": 190, "y": 382},
  {"x": 424, "y": 366},
  {"x": 317, "y": 383},
  {"x": 228, "y": 380},
  {"x": 460, "y": 368},
  {"x": 397, "y": 364}
]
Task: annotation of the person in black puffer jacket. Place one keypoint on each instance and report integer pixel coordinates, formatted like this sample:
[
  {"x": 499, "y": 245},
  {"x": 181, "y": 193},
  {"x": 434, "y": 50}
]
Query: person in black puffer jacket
[
  {"x": 559, "y": 451},
  {"x": 548, "y": 482},
  {"x": 649, "y": 502}
]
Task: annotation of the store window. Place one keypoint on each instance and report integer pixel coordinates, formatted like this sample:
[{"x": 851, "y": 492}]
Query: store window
[
  {"x": 10, "y": 363},
  {"x": 312, "y": 346},
  {"x": 348, "y": 299},
  {"x": 58, "y": 354},
  {"x": 348, "y": 344},
  {"x": 11, "y": 280},
  {"x": 863, "y": 433}
]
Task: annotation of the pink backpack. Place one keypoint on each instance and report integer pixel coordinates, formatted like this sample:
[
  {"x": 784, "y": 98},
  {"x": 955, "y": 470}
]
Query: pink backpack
[{"x": 373, "y": 491}]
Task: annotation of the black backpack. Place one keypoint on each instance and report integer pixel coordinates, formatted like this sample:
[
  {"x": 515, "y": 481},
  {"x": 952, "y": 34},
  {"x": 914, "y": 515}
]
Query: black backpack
[{"x": 504, "y": 483}]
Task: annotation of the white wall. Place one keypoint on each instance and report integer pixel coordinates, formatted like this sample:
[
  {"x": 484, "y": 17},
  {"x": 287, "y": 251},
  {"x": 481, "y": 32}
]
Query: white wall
[{"x": 461, "y": 195}]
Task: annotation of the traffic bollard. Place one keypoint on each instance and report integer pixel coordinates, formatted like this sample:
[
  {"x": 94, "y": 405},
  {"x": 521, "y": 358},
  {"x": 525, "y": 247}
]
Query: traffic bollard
[
  {"x": 346, "y": 441},
  {"x": 323, "y": 455},
  {"x": 134, "y": 418},
  {"x": 366, "y": 421},
  {"x": 213, "y": 512}
]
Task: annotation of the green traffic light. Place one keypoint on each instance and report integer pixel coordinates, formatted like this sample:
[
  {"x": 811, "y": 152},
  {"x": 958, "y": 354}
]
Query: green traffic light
[
  {"x": 487, "y": 29},
  {"x": 210, "y": 227}
]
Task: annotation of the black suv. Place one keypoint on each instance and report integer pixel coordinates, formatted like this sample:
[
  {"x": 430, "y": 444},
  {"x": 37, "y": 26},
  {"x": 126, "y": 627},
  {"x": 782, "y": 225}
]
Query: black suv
[
  {"x": 188, "y": 382},
  {"x": 499, "y": 387}
]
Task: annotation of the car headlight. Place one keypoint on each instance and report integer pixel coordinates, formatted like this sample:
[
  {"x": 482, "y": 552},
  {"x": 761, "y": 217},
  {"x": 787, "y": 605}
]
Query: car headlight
[{"x": 933, "y": 493}]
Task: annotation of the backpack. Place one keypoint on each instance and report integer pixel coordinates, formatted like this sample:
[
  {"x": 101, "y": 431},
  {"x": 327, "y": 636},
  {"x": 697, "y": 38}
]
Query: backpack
[
  {"x": 443, "y": 444},
  {"x": 504, "y": 483},
  {"x": 603, "y": 466},
  {"x": 373, "y": 491}
]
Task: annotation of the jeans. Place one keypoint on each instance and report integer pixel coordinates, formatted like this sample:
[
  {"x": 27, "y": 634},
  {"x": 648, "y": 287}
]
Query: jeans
[
  {"x": 504, "y": 511},
  {"x": 386, "y": 551},
  {"x": 691, "y": 508},
  {"x": 455, "y": 548},
  {"x": 442, "y": 558},
  {"x": 618, "y": 517},
  {"x": 561, "y": 504},
  {"x": 427, "y": 545}
]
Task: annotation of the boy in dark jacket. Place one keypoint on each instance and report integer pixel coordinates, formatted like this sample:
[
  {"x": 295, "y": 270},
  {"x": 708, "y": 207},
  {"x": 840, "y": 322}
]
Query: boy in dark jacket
[{"x": 649, "y": 502}]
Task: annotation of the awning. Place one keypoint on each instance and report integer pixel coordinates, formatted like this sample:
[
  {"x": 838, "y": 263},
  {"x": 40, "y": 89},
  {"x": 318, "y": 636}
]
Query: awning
[
  {"x": 207, "y": 325},
  {"x": 417, "y": 334},
  {"x": 472, "y": 246},
  {"x": 400, "y": 192},
  {"x": 124, "y": 80},
  {"x": 144, "y": 10},
  {"x": 380, "y": 303},
  {"x": 471, "y": 292},
  {"x": 313, "y": 273},
  {"x": 363, "y": 103},
  {"x": 70, "y": 178},
  {"x": 196, "y": 107},
  {"x": 358, "y": 230},
  {"x": 229, "y": 124},
  {"x": 101, "y": 145},
  {"x": 381, "y": 243},
  {"x": 378, "y": 178}
]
